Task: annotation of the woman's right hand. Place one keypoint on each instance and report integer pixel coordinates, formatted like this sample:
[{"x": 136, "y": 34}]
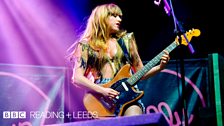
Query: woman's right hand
[{"x": 109, "y": 92}]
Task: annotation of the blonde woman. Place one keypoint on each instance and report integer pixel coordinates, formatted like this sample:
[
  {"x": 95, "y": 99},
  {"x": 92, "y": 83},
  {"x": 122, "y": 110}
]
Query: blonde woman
[{"x": 98, "y": 58}]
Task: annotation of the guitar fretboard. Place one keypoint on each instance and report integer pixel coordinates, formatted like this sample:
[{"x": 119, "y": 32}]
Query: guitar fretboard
[{"x": 138, "y": 75}]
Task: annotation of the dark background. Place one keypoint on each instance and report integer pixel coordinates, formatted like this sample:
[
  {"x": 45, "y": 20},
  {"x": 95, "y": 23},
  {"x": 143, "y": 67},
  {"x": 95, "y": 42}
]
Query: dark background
[{"x": 154, "y": 29}]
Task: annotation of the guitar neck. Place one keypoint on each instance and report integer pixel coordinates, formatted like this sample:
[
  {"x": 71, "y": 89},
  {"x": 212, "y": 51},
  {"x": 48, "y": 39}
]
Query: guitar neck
[{"x": 138, "y": 75}]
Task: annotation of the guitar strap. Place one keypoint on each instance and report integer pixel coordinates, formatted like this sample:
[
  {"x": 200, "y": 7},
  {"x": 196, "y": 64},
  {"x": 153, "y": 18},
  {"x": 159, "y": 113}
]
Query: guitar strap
[{"x": 125, "y": 51}]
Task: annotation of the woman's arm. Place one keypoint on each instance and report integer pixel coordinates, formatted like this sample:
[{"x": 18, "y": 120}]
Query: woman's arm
[
  {"x": 78, "y": 77},
  {"x": 137, "y": 62}
]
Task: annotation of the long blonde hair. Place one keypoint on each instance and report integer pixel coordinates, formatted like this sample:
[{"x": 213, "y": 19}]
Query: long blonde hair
[{"x": 96, "y": 32}]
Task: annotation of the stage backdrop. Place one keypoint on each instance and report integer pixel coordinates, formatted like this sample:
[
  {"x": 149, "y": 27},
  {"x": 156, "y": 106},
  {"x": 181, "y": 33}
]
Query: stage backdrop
[{"x": 163, "y": 92}]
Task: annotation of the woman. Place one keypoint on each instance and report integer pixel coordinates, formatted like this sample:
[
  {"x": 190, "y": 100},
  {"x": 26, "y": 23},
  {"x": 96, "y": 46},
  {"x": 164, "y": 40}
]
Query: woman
[{"x": 98, "y": 56}]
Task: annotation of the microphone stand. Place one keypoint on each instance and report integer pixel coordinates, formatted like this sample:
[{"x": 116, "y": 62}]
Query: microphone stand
[{"x": 180, "y": 31}]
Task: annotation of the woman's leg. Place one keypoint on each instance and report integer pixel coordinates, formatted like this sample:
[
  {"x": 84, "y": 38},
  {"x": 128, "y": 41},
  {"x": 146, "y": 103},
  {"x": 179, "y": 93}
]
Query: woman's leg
[{"x": 133, "y": 110}]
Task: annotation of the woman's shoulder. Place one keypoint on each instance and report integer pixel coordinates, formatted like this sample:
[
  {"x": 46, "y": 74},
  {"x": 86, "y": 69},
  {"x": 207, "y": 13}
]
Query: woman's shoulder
[
  {"x": 129, "y": 35},
  {"x": 83, "y": 44}
]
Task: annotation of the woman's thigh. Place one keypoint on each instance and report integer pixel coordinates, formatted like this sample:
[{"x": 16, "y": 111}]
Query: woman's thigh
[{"x": 133, "y": 110}]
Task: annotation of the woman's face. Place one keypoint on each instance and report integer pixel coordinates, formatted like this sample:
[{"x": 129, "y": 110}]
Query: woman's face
[{"x": 114, "y": 22}]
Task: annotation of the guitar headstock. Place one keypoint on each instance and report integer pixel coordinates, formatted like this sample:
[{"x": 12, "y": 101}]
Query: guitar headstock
[{"x": 189, "y": 35}]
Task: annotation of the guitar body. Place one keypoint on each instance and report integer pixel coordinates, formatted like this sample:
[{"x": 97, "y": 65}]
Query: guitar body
[{"x": 105, "y": 107}]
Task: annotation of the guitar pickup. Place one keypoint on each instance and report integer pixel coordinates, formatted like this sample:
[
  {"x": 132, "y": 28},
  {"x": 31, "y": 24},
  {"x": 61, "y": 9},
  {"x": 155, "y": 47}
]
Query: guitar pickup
[{"x": 124, "y": 86}]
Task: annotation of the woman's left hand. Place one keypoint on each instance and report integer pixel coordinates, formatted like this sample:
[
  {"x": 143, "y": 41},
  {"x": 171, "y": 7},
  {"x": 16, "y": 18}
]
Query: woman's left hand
[{"x": 164, "y": 59}]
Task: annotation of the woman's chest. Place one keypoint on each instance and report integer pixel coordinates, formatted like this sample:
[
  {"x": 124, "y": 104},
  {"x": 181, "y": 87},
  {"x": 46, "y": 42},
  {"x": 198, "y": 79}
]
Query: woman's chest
[{"x": 112, "y": 49}]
